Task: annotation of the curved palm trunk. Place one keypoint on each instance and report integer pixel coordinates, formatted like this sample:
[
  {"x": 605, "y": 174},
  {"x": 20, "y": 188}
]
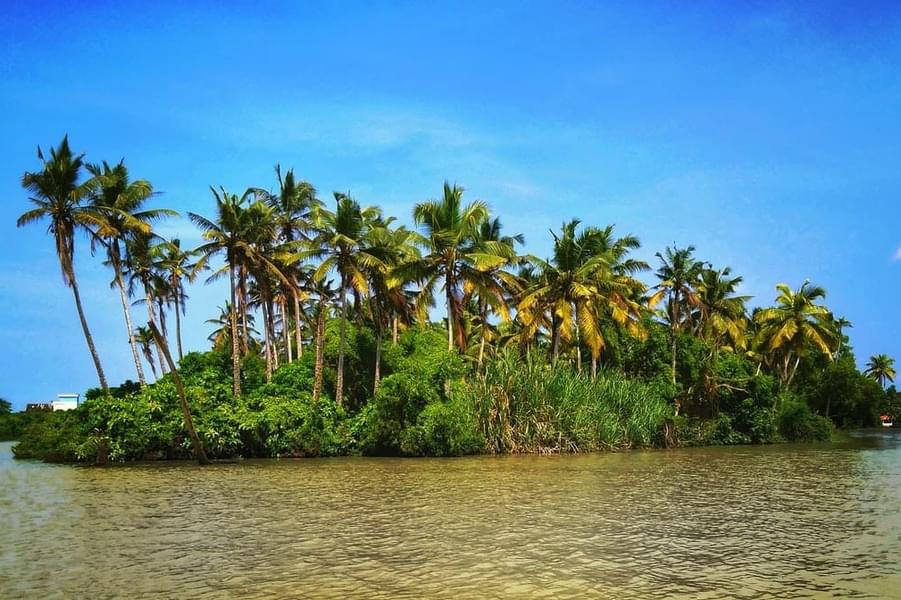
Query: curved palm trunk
[
  {"x": 339, "y": 385},
  {"x": 161, "y": 344},
  {"x": 130, "y": 326},
  {"x": 267, "y": 340},
  {"x": 236, "y": 360},
  {"x": 273, "y": 339},
  {"x": 87, "y": 332},
  {"x": 320, "y": 345}
]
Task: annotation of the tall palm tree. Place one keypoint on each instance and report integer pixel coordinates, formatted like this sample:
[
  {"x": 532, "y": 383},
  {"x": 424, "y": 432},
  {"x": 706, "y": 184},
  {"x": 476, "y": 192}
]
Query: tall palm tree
[
  {"x": 492, "y": 286},
  {"x": 294, "y": 205},
  {"x": 450, "y": 252},
  {"x": 881, "y": 367},
  {"x": 224, "y": 236},
  {"x": 795, "y": 324},
  {"x": 390, "y": 248},
  {"x": 141, "y": 266},
  {"x": 177, "y": 266},
  {"x": 679, "y": 272},
  {"x": 340, "y": 244},
  {"x": 121, "y": 201},
  {"x": 586, "y": 281},
  {"x": 57, "y": 195},
  {"x": 720, "y": 315}
]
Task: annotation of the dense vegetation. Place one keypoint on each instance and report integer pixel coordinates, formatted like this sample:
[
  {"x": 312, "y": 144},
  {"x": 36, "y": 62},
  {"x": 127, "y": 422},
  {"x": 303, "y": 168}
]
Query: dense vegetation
[{"x": 325, "y": 345}]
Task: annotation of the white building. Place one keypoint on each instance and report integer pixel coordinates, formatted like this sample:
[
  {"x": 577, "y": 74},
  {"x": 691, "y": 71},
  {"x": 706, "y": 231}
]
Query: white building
[{"x": 65, "y": 402}]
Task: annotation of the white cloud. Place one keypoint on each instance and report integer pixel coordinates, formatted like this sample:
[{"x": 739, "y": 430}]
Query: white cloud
[{"x": 897, "y": 255}]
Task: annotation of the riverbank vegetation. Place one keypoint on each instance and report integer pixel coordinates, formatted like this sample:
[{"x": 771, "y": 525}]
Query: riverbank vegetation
[{"x": 326, "y": 344}]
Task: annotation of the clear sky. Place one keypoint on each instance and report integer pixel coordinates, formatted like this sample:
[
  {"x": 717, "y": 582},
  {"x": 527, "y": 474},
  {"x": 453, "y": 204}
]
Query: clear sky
[{"x": 766, "y": 134}]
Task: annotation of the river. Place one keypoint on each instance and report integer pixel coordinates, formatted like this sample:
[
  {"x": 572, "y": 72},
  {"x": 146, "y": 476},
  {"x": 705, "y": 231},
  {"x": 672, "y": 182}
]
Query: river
[{"x": 782, "y": 521}]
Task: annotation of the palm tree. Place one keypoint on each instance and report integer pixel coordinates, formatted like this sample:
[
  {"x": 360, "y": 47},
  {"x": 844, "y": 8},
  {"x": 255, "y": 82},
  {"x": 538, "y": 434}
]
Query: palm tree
[
  {"x": 144, "y": 338},
  {"x": 225, "y": 236},
  {"x": 121, "y": 201},
  {"x": 492, "y": 286},
  {"x": 389, "y": 248},
  {"x": 451, "y": 255},
  {"x": 294, "y": 206},
  {"x": 720, "y": 315},
  {"x": 586, "y": 281},
  {"x": 57, "y": 195},
  {"x": 221, "y": 335},
  {"x": 177, "y": 266},
  {"x": 881, "y": 367},
  {"x": 340, "y": 244},
  {"x": 141, "y": 267},
  {"x": 678, "y": 273},
  {"x": 797, "y": 323}
]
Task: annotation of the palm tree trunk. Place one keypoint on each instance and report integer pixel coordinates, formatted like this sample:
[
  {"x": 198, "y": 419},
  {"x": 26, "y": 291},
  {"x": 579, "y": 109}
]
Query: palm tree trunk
[
  {"x": 555, "y": 336},
  {"x": 483, "y": 315},
  {"x": 151, "y": 316},
  {"x": 87, "y": 332},
  {"x": 242, "y": 307},
  {"x": 378, "y": 359},
  {"x": 448, "y": 288},
  {"x": 178, "y": 326},
  {"x": 320, "y": 346},
  {"x": 236, "y": 359},
  {"x": 298, "y": 330},
  {"x": 161, "y": 344},
  {"x": 594, "y": 368},
  {"x": 339, "y": 385},
  {"x": 130, "y": 326},
  {"x": 273, "y": 339},
  {"x": 267, "y": 343},
  {"x": 394, "y": 330},
  {"x": 286, "y": 329}
]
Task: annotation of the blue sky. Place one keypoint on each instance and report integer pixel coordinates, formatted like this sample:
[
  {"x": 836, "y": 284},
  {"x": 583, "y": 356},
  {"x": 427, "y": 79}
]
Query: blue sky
[{"x": 766, "y": 134}]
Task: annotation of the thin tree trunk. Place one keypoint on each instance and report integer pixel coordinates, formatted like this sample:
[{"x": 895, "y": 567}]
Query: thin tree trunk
[
  {"x": 130, "y": 326},
  {"x": 267, "y": 343},
  {"x": 378, "y": 359},
  {"x": 178, "y": 326},
  {"x": 320, "y": 345},
  {"x": 339, "y": 385},
  {"x": 555, "y": 336},
  {"x": 199, "y": 452},
  {"x": 87, "y": 333},
  {"x": 236, "y": 359},
  {"x": 298, "y": 332},
  {"x": 151, "y": 316},
  {"x": 450, "y": 312},
  {"x": 483, "y": 314},
  {"x": 273, "y": 339},
  {"x": 793, "y": 371},
  {"x": 394, "y": 330},
  {"x": 594, "y": 368},
  {"x": 286, "y": 329},
  {"x": 242, "y": 307}
]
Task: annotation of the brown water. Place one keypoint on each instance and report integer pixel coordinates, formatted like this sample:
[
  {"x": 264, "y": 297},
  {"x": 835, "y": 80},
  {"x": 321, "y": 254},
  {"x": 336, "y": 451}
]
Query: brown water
[{"x": 759, "y": 522}]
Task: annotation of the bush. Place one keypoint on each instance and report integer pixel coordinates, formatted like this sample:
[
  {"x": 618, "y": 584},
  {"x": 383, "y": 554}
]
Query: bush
[
  {"x": 797, "y": 423},
  {"x": 443, "y": 429}
]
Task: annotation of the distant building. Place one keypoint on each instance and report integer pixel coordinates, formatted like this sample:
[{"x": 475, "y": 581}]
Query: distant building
[
  {"x": 66, "y": 402},
  {"x": 32, "y": 406}
]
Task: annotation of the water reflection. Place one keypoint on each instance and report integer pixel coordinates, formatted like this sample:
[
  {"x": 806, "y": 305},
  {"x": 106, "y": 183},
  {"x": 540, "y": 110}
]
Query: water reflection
[{"x": 763, "y": 522}]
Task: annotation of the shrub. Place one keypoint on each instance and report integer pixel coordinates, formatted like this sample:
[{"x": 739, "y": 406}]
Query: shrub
[
  {"x": 443, "y": 429},
  {"x": 797, "y": 423}
]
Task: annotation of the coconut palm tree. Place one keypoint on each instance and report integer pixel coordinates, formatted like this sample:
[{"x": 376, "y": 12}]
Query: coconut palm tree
[
  {"x": 679, "y": 273},
  {"x": 144, "y": 339},
  {"x": 586, "y": 281},
  {"x": 225, "y": 236},
  {"x": 340, "y": 244},
  {"x": 177, "y": 266},
  {"x": 881, "y": 367},
  {"x": 294, "y": 205},
  {"x": 788, "y": 330},
  {"x": 121, "y": 202},
  {"x": 450, "y": 253},
  {"x": 59, "y": 196},
  {"x": 720, "y": 315}
]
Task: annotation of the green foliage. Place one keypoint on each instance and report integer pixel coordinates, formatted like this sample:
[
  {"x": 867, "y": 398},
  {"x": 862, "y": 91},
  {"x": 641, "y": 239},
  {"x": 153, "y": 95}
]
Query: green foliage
[
  {"x": 443, "y": 428},
  {"x": 797, "y": 423},
  {"x": 847, "y": 396},
  {"x": 51, "y": 437},
  {"x": 526, "y": 405}
]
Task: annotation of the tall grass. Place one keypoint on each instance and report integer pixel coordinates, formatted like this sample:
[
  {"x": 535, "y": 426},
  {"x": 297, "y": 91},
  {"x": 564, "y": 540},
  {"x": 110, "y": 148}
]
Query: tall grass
[{"x": 524, "y": 404}]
